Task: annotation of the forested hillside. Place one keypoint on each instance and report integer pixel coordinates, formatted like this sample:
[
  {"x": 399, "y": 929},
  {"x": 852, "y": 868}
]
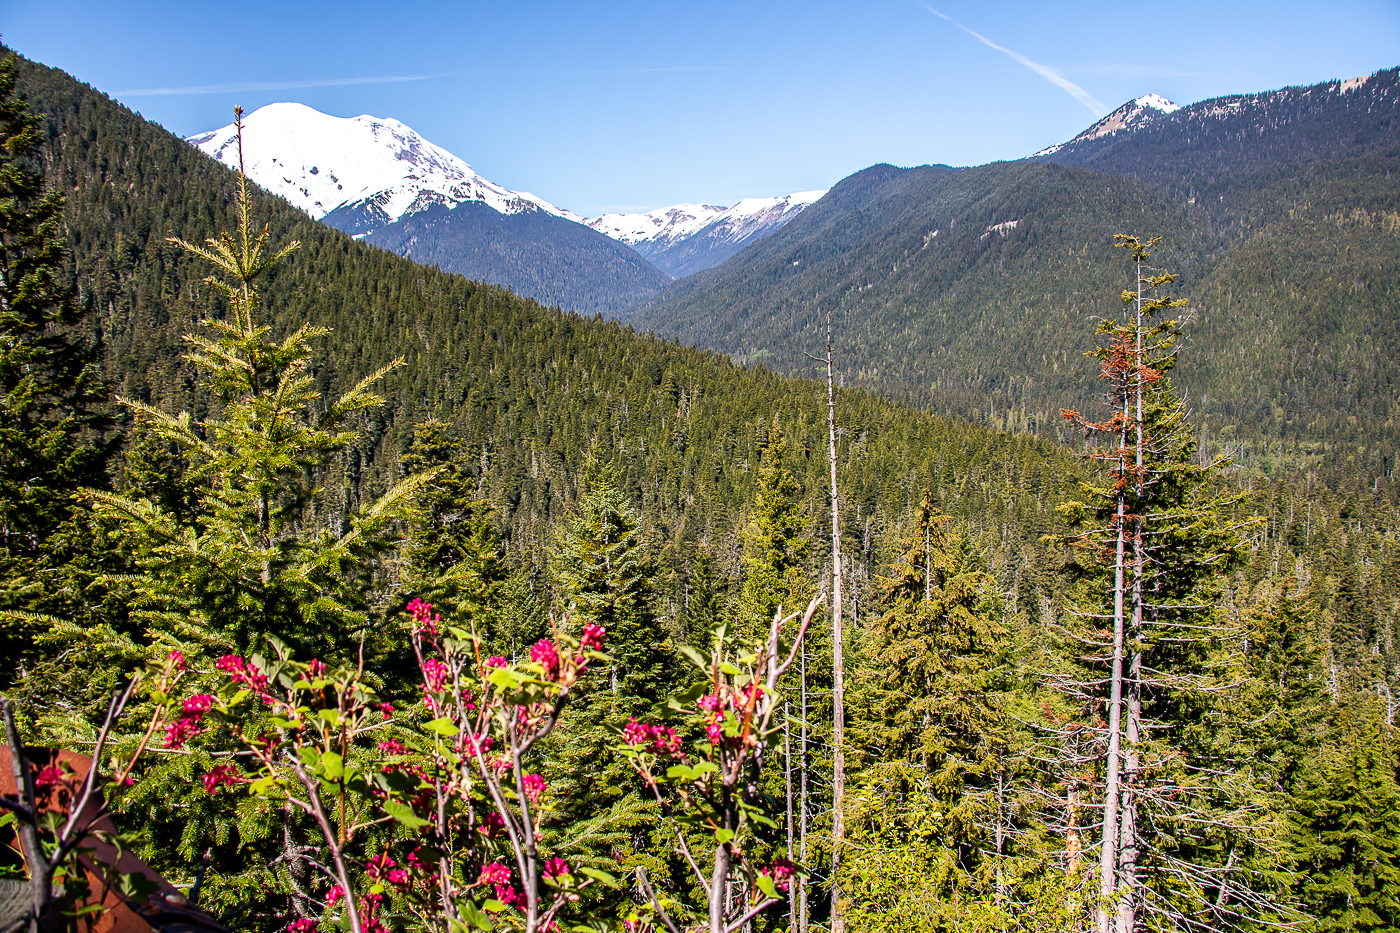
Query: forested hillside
[
  {"x": 496, "y": 650},
  {"x": 962, "y": 290}
]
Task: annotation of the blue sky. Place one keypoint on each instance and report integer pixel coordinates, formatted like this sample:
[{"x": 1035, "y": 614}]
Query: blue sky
[{"x": 621, "y": 106}]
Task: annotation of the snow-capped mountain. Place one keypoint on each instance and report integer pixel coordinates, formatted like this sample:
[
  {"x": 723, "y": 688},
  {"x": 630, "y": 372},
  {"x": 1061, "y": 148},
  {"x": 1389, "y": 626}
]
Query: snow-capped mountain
[
  {"x": 357, "y": 173},
  {"x": 687, "y": 238},
  {"x": 377, "y": 179},
  {"x": 1133, "y": 114}
]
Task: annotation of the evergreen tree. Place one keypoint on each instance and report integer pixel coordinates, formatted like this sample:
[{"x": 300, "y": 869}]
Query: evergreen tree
[
  {"x": 1347, "y": 826},
  {"x": 1179, "y": 808},
  {"x": 452, "y": 556},
  {"x": 929, "y": 725},
  {"x": 776, "y": 550},
  {"x": 245, "y": 563},
  {"x": 50, "y": 398}
]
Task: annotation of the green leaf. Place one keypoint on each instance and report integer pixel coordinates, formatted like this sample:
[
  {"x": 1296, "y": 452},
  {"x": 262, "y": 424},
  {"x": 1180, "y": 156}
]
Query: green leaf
[
  {"x": 690, "y": 772},
  {"x": 404, "y": 814},
  {"x": 332, "y": 767},
  {"x": 695, "y": 657},
  {"x": 494, "y": 906},
  {"x": 600, "y": 876},
  {"x": 475, "y": 916},
  {"x": 443, "y": 726},
  {"x": 724, "y": 835},
  {"x": 765, "y": 884}
]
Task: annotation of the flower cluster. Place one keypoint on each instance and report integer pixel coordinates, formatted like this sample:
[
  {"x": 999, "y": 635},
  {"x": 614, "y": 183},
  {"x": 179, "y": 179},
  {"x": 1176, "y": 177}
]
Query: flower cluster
[
  {"x": 780, "y": 871},
  {"x": 545, "y": 655},
  {"x": 435, "y": 674},
  {"x": 241, "y": 672},
  {"x": 49, "y": 776},
  {"x": 534, "y": 787},
  {"x": 556, "y": 868},
  {"x": 187, "y": 726},
  {"x": 383, "y": 868},
  {"x": 592, "y": 639},
  {"x": 425, "y": 620},
  {"x": 495, "y": 873},
  {"x": 304, "y": 925},
  {"x": 220, "y": 776},
  {"x": 661, "y": 739}
]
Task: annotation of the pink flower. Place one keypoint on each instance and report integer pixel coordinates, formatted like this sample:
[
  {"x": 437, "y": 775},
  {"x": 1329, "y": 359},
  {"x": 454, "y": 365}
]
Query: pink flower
[
  {"x": 427, "y": 620},
  {"x": 666, "y": 741},
  {"x": 199, "y": 704},
  {"x": 711, "y": 703},
  {"x": 392, "y": 747},
  {"x": 495, "y": 873},
  {"x": 509, "y": 896},
  {"x": 334, "y": 894},
  {"x": 386, "y": 708},
  {"x": 315, "y": 668},
  {"x": 379, "y": 866},
  {"x": 492, "y": 825},
  {"x": 544, "y": 654},
  {"x": 177, "y": 660},
  {"x": 496, "y": 661},
  {"x": 232, "y": 665},
  {"x": 534, "y": 786},
  {"x": 555, "y": 867},
  {"x": 397, "y": 876},
  {"x": 635, "y": 733},
  {"x": 304, "y": 925},
  {"x": 478, "y": 743},
  {"x": 715, "y": 732},
  {"x": 592, "y": 639},
  {"x": 219, "y": 776},
  {"x": 49, "y": 775},
  {"x": 781, "y": 872},
  {"x": 435, "y": 674},
  {"x": 181, "y": 732}
]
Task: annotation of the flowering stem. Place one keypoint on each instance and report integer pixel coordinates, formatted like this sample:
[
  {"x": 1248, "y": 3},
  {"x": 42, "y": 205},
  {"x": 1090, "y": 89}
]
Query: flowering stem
[{"x": 331, "y": 836}]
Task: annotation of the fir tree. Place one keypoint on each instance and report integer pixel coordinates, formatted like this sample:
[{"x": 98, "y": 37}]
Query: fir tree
[
  {"x": 245, "y": 563},
  {"x": 50, "y": 398}
]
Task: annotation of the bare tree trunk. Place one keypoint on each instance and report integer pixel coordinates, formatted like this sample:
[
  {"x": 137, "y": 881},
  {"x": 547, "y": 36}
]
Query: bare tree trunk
[
  {"x": 1108, "y": 855},
  {"x": 787, "y": 778},
  {"x": 802, "y": 813},
  {"x": 1127, "y": 845},
  {"x": 838, "y": 667}
]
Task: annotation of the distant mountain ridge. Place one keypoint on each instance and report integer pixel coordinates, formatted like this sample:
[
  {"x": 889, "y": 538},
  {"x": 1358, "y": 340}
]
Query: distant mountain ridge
[
  {"x": 970, "y": 290},
  {"x": 381, "y": 181},
  {"x": 688, "y": 238}
]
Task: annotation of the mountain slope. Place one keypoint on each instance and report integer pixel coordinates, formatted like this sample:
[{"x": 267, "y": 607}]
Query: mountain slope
[
  {"x": 379, "y": 180},
  {"x": 961, "y": 289},
  {"x": 689, "y": 238}
]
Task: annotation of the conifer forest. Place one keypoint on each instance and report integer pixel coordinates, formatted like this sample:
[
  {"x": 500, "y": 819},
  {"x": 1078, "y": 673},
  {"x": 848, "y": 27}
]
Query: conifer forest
[{"x": 339, "y": 592}]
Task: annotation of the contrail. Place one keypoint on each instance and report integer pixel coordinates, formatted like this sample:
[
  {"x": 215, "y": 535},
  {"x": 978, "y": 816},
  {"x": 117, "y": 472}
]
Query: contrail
[
  {"x": 1049, "y": 74},
  {"x": 241, "y": 87}
]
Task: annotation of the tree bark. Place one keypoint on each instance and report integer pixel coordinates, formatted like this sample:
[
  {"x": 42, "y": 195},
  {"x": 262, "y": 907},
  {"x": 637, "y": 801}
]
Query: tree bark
[{"x": 838, "y": 671}]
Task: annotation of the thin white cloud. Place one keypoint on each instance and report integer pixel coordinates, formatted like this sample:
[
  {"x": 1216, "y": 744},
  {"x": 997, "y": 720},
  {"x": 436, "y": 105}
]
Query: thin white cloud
[
  {"x": 1049, "y": 74},
  {"x": 240, "y": 87},
  {"x": 243, "y": 87}
]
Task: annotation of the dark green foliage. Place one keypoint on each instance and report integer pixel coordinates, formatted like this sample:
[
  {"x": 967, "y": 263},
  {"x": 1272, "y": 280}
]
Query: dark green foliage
[
  {"x": 1347, "y": 833},
  {"x": 51, "y": 411},
  {"x": 555, "y": 261},
  {"x": 452, "y": 556},
  {"x": 962, "y": 290},
  {"x": 776, "y": 549}
]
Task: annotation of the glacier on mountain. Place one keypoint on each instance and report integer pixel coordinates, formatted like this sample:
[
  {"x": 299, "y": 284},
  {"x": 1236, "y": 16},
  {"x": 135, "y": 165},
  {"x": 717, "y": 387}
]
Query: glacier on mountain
[{"x": 322, "y": 163}]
